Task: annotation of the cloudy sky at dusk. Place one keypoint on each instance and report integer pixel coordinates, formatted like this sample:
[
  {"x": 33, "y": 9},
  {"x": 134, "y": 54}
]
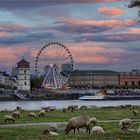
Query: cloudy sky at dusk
[{"x": 101, "y": 34}]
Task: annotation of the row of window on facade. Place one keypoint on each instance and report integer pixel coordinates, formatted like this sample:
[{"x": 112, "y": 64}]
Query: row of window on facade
[{"x": 132, "y": 83}]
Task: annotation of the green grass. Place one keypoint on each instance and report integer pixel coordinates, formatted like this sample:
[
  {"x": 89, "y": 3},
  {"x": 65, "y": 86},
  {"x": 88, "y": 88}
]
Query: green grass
[
  {"x": 112, "y": 131},
  {"x": 59, "y": 116}
]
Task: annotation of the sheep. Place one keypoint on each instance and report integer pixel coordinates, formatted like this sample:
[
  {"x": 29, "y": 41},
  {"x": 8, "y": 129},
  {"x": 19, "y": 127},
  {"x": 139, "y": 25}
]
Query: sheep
[
  {"x": 16, "y": 114},
  {"x": 41, "y": 113},
  {"x": 64, "y": 109},
  {"x": 83, "y": 107},
  {"x": 31, "y": 115},
  {"x": 72, "y": 107},
  {"x": 18, "y": 108},
  {"x": 79, "y": 122},
  {"x": 9, "y": 118},
  {"x": 53, "y": 127},
  {"x": 50, "y": 133},
  {"x": 135, "y": 112},
  {"x": 132, "y": 107},
  {"x": 124, "y": 124},
  {"x": 97, "y": 129},
  {"x": 52, "y": 108},
  {"x": 47, "y": 109}
]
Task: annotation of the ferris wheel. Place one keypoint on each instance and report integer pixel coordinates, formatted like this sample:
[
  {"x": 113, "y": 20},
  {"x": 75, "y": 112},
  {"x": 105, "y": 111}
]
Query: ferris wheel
[{"x": 55, "y": 63}]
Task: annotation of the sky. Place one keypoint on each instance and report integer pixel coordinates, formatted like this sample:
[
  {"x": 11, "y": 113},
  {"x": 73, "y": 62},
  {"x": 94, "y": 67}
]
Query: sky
[{"x": 100, "y": 34}]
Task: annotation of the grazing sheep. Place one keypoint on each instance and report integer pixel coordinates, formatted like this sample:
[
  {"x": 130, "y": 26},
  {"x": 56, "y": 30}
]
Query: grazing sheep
[
  {"x": 50, "y": 133},
  {"x": 64, "y": 109},
  {"x": 16, "y": 114},
  {"x": 132, "y": 107},
  {"x": 18, "y": 108},
  {"x": 83, "y": 107},
  {"x": 97, "y": 129},
  {"x": 53, "y": 127},
  {"x": 124, "y": 124},
  {"x": 9, "y": 118},
  {"x": 46, "y": 108},
  {"x": 31, "y": 115},
  {"x": 79, "y": 122},
  {"x": 41, "y": 113},
  {"x": 52, "y": 108},
  {"x": 72, "y": 107},
  {"x": 135, "y": 112},
  {"x": 93, "y": 121}
]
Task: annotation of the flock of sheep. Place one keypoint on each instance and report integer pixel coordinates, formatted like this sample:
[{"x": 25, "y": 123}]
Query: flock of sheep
[{"x": 75, "y": 123}]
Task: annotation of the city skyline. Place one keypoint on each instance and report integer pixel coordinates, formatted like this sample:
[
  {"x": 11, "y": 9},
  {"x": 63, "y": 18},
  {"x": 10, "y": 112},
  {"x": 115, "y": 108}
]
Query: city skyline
[{"x": 101, "y": 34}]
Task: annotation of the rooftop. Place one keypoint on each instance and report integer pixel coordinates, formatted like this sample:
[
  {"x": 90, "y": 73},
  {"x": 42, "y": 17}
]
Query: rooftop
[{"x": 23, "y": 61}]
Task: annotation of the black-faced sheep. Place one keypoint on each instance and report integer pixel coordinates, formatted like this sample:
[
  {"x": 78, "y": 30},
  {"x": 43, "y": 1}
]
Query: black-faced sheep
[
  {"x": 97, "y": 129},
  {"x": 41, "y": 113},
  {"x": 31, "y": 115},
  {"x": 9, "y": 118},
  {"x": 124, "y": 124},
  {"x": 80, "y": 122},
  {"x": 16, "y": 114}
]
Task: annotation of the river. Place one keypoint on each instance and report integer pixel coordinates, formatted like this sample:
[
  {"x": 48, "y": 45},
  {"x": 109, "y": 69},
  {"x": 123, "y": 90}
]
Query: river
[{"x": 36, "y": 105}]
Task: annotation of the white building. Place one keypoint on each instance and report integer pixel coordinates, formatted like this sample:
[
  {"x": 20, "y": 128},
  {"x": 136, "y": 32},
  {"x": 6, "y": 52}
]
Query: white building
[
  {"x": 23, "y": 75},
  {"x": 7, "y": 81}
]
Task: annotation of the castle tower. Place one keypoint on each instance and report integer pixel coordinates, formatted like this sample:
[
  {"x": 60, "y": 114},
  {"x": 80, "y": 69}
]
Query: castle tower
[{"x": 23, "y": 75}]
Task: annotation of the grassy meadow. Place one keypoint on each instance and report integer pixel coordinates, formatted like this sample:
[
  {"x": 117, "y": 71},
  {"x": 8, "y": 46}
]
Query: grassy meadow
[{"x": 112, "y": 131}]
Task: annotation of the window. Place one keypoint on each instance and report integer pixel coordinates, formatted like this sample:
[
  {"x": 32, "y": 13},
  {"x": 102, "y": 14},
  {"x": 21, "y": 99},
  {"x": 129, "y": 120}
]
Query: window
[
  {"x": 126, "y": 83},
  {"x": 24, "y": 71},
  {"x": 25, "y": 83},
  {"x": 25, "y": 77},
  {"x": 133, "y": 83}
]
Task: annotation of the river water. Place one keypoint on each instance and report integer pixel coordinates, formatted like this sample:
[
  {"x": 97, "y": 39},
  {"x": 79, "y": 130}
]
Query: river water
[{"x": 36, "y": 105}]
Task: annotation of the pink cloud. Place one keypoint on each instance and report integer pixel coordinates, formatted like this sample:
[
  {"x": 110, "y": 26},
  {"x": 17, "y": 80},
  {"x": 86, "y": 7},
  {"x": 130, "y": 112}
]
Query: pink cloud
[
  {"x": 4, "y": 34},
  {"x": 10, "y": 27},
  {"x": 96, "y": 53},
  {"x": 110, "y": 11},
  {"x": 9, "y": 56},
  {"x": 134, "y": 30},
  {"x": 97, "y": 23}
]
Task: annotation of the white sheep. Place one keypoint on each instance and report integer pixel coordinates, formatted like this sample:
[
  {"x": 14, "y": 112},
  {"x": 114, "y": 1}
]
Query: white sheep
[
  {"x": 124, "y": 124},
  {"x": 31, "y": 115},
  {"x": 16, "y": 114},
  {"x": 83, "y": 107},
  {"x": 9, "y": 118},
  {"x": 53, "y": 127},
  {"x": 52, "y": 108},
  {"x": 50, "y": 133},
  {"x": 41, "y": 113},
  {"x": 97, "y": 129},
  {"x": 135, "y": 112},
  {"x": 79, "y": 122}
]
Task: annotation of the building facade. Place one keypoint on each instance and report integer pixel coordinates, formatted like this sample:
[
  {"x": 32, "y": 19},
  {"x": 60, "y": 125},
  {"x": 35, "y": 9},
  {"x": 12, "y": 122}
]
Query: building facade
[
  {"x": 130, "y": 79},
  {"x": 94, "y": 78},
  {"x": 23, "y": 75},
  {"x": 6, "y": 81}
]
